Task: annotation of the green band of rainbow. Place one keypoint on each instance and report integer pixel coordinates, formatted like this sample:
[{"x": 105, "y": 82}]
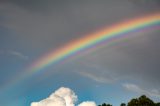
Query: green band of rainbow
[
  {"x": 113, "y": 32},
  {"x": 93, "y": 39}
]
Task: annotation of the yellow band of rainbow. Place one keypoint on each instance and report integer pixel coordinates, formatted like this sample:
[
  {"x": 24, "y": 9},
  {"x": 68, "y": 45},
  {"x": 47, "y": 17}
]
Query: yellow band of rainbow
[
  {"x": 115, "y": 31},
  {"x": 94, "y": 38}
]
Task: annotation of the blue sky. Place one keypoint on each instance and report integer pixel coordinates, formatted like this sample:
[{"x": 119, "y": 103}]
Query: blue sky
[{"x": 110, "y": 73}]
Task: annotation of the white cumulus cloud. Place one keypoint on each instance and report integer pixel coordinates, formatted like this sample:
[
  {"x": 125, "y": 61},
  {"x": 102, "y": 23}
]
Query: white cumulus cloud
[{"x": 62, "y": 97}]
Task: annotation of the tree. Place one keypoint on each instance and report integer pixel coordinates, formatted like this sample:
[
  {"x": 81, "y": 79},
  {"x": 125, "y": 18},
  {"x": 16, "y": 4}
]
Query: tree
[
  {"x": 145, "y": 101},
  {"x": 141, "y": 101},
  {"x": 157, "y": 104},
  {"x": 104, "y": 104},
  {"x": 123, "y": 104},
  {"x": 133, "y": 102},
  {"x": 108, "y": 105}
]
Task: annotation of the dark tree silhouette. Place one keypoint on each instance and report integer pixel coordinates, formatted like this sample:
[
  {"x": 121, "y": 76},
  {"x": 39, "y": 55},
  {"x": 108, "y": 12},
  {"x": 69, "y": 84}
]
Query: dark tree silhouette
[
  {"x": 145, "y": 101},
  {"x": 133, "y": 102},
  {"x": 157, "y": 104},
  {"x": 141, "y": 101},
  {"x": 104, "y": 104},
  {"x": 123, "y": 104}
]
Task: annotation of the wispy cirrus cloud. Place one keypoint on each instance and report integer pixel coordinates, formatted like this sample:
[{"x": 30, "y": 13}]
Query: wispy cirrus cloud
[
  {"x": 13, "y": 53},
  {"x": 19, "y": 54},
  {"x": 97, "y": 78},
  {"x": 140, "y": 90}
]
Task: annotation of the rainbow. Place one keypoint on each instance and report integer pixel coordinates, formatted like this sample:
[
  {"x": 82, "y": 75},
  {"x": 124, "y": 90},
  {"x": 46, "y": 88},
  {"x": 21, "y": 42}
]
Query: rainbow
[
  {"x": 105, "y": 34},
  {"x": 111, "y": 33}
]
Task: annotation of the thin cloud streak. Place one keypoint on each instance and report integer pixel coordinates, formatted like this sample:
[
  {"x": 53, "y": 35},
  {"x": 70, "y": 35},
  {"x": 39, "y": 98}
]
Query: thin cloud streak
[
  {"x": 96, "y": 77},
  {"x": 13, "y": 53},
  {"x": 18, "y": 54},
  {"x": 139, "y": 90}
]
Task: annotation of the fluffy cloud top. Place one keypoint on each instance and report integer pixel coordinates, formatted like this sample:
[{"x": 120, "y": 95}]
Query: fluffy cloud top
[{"x": 62, "y": 97}]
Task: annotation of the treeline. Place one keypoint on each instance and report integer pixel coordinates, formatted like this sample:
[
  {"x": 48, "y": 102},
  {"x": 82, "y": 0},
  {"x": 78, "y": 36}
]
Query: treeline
[{"x": 141, "y": 101}]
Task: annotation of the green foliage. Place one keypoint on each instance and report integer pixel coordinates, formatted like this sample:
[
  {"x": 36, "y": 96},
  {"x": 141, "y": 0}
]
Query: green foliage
[
  {"x": 133, "y": 102},
  {"x": 157, "y": 104},
  {"x": 104, "y": 104},
  {"x": 141, "y": 101},
  {"x": 123, "y": 104}
]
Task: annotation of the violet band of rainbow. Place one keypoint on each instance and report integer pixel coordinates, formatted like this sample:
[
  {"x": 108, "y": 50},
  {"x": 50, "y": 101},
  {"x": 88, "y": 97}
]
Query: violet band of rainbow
[{"x": 111, "y": 32}]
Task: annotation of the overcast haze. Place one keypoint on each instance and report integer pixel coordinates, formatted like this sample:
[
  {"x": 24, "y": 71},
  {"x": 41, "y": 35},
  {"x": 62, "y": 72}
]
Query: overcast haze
[{"x": 111, "y": 73}]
